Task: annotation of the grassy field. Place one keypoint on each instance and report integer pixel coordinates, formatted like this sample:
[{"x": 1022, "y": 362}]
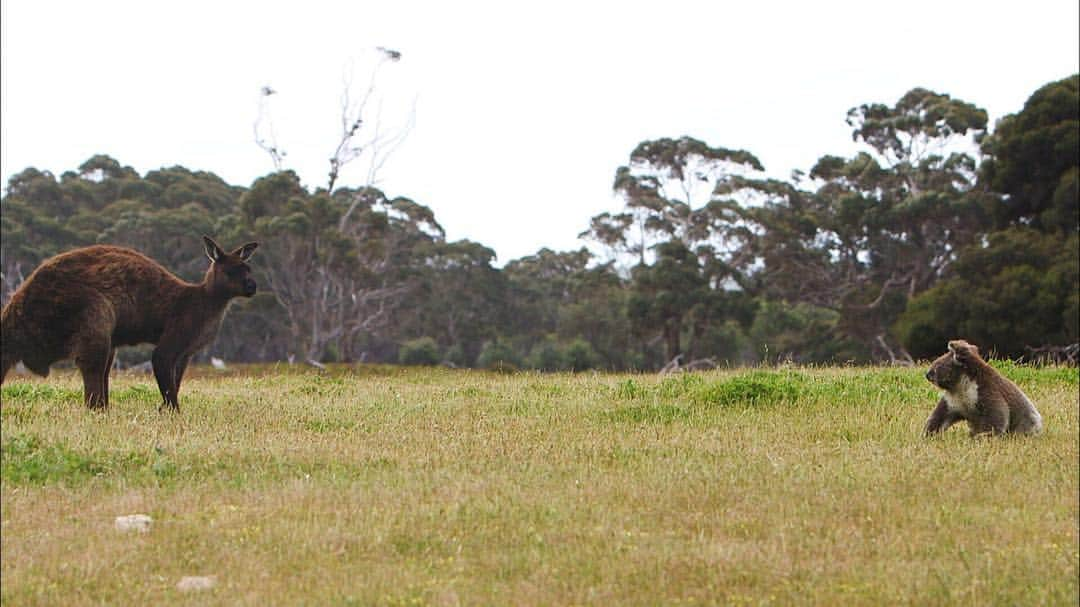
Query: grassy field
[{"x": 384, "y": 486}]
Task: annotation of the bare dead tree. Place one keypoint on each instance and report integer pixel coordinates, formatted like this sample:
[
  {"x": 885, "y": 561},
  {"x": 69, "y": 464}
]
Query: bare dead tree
[
  {"x": 673, "y": 366},
  {"x": 267, "y": 143},
  {"x": 378, "y": 144},
  {"x": 360, "y": 134},
  {"x": 325, "y": 301},
  {"x": 902, "y": 360}
]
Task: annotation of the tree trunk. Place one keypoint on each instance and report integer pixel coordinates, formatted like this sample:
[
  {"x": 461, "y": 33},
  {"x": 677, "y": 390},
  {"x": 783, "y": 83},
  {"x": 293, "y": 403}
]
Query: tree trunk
[{"x": 671, "y": 338}]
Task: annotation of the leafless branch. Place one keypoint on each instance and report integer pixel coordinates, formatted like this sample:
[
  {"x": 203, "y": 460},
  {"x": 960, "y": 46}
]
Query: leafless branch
[
  {"x": 673, "y": 366},
  {"x": 268, "y": 145},
  {"x": 352, "y": 119},
  {"x": 904, "y": 360},
  {"x": 893, "y": 282}
]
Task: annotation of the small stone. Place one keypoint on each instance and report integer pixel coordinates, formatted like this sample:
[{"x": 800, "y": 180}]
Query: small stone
[
  {"x": 196, "y": 582},
  {"x": 134, "y": 522}
]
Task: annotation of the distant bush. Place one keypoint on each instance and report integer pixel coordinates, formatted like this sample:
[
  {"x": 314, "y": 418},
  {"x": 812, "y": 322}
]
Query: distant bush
[
  {"x": 1018, "y": 290},
  {"x": 498, "y": 356},
  {"x": 456, "y": 356},
  {"x": 546, "y": 356},
  {"x": 803, "y": 334},
  {"x": 580, "y": 356},
  {"x": 419, "y": 352}
]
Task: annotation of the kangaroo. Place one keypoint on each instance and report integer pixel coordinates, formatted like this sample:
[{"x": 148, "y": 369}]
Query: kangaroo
[{"x": 85, "y": 303}]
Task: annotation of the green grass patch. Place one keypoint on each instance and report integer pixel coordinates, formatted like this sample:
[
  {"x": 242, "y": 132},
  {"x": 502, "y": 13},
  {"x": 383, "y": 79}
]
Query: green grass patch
[
  {"x": 658, "y": 413},
  {"x": 1028, "y": 375},
  {"x": 756, "y": 388},
  {"x": 27, "y": 460},
  {"x": 320, "y": 385},
  {"x": 142, "y": 394},
  {"x": 39, "y": 392}
]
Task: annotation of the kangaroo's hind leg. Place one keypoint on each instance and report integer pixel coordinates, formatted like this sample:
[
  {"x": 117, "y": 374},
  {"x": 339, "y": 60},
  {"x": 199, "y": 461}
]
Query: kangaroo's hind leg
[
  {"x": 93, "y": 351},
  {"x": 92, "y": 355},
  {"x": 165, "y": 358},
  {"x": 108, "y": 371}
]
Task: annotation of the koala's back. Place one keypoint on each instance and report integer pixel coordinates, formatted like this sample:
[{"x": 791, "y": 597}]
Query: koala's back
[{"x": 1023, "y": 417}]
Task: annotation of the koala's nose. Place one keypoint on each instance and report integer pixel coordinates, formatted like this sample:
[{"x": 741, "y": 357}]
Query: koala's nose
[{"x": 929, "y": 376}]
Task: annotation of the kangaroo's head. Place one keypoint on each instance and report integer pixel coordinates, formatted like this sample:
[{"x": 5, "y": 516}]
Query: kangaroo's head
[{"x": 229, "y": 275}]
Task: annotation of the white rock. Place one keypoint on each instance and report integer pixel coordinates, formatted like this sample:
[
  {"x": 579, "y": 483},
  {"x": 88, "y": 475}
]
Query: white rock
[
  {"x": 196, "y": 582},
  {"x": 134, "y": 522},
  {"x": 217, "y": 363}
]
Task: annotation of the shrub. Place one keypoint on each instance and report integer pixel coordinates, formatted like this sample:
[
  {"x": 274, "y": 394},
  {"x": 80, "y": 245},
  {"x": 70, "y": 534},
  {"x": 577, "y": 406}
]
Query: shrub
[
  {"x": 546, "y": 356},
  {"x": 497, "y": 356},
  {"x": 580, "y": 355},
  {"x": 423, "y": 351},
  {"x": 456, "y": 356}
]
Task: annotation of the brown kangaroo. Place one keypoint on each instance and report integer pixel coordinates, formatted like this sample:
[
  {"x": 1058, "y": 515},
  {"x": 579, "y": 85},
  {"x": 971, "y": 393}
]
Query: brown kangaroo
[{"x": 85, "y": 303}]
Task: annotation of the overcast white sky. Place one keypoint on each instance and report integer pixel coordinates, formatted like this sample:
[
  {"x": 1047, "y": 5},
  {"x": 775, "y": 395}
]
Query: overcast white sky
[{"x": 523, "y": 110}]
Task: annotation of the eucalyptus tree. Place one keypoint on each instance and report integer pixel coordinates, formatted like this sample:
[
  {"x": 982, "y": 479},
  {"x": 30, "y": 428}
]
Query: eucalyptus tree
[
  {"x": 665, "y": 293},
  {"x": 33, "y": 218},
  {"x": 1019, "y": 287},
  {"x": 1034, "y": 160},
  {"x": 560, "y": 300},
  {"x": 672, "y": 216},
  {"x": 460, "y": 299},
  {"x": 541, "y": 286},
  {"x": 865, "y": 234},
  {"x": 666, "y": 187}
]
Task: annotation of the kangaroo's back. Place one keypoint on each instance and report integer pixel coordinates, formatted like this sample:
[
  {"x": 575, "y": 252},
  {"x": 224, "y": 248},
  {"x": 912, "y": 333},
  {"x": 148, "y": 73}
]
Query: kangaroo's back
[{"x": 101, "y": 288}]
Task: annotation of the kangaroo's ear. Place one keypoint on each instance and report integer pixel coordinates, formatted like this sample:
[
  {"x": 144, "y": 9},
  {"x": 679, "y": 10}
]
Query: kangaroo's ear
[
  {"x": 245, "y": 252},
  {"x": 213, "y": 251}
]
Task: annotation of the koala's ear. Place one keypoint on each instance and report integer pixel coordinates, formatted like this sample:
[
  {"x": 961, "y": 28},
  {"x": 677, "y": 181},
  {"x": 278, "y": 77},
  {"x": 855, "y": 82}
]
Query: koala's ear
[{"x": 962, "y": 351}]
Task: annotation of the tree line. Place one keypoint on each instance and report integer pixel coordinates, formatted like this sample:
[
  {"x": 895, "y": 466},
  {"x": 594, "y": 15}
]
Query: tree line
[{"x": 939, "y": 228}]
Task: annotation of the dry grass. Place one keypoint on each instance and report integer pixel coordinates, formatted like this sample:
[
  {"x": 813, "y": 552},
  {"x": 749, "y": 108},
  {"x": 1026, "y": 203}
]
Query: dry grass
[{"x": 387, "y": 486}]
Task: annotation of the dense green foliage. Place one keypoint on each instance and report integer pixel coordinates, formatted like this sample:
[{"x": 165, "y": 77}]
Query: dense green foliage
[
  {"x": 940, "y": 227},
  {"x": 1020, "y": 285}
]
